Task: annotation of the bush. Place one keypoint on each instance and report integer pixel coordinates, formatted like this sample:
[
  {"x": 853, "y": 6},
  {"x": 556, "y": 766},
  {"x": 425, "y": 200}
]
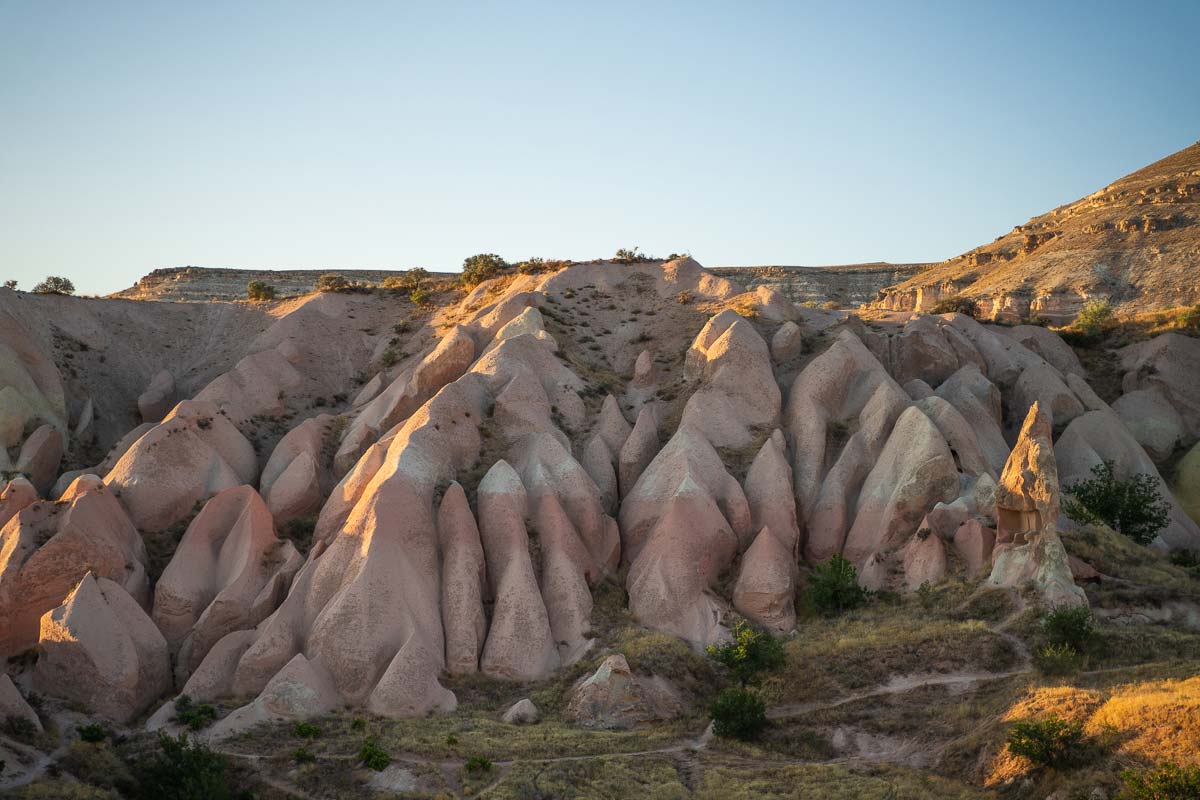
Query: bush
[
  {"x": 408, "y": 280},
  {"x": 738, "y": 713},
  {"x": 478, "y": 764},
  {"x": 420, "y": 296},
  {"x": 373, "y": 756},
  {"x": 1189, "y": 318},
  {"x": 1072, "y": 626},
  {"x": 302, "y": 755},
  {"x": 1167, "y": 782},
  {"x": 331, "y": 282},
  {"x": 684, "y": 298},
  {"x": 184, "y": 770},
  {"x": 956, "y": 305},
  {"x": 97, "y": 764},
  {"x": 10, "y": 284},
  {"x": 1056, "y": 659},
  {"x": 92, "y": 733},
  {"x": 1094, "y": 317},
  {"x": 1051, "y": 742},
  {"x": 479, "y": 268},
  {"x": 193, "y": 716},
  {"x": 53, "y": 284},
  {"x": 20, "y": 728},
  {"x": 833, "y": 587},
  {"x": 259, "y": 290},
  {"x": 306, "y": 730},
  {"x": 749, "y": 653},
  {"x": 1134, "y": 507}
]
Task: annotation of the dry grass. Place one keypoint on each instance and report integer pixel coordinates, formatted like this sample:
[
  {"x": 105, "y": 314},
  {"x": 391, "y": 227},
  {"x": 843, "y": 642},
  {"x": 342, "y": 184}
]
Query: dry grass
[{"x": 829, "y": 782}]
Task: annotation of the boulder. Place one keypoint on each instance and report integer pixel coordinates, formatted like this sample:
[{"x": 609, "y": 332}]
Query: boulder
[
  {"x": 301, "y": 689},
  {"x": 228, "y": 573},
  {"x": 47, "y": 548},
  {"x": 100, "y": 649},
  {"x": 787, "y": 343},
  {"x": 18, "y": 494},
  {"x": 609, "y": 698},
  {"x": 1169, "y": 363},
  {"x": 522, "y": 712},
  {"x": 959, "y": 434},
  {"x": 1050, "y": 346},
  {"x": 40, "y": 456},
  {"x": 464, "y": 582},
  {"x": 978, "y": 400},
  {"x": 1042, "y": 384},
  {"x": 973, "y": 543},
  {"x": 921, "y": 350},
  {"x": 924, "y": 560},
  {"x": 1152, "y": 420},
  {"x": 159, "y": 397}
]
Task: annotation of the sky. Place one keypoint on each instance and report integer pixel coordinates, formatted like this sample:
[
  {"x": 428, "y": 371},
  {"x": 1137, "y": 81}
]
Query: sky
[{"x": 390, "y": 135}]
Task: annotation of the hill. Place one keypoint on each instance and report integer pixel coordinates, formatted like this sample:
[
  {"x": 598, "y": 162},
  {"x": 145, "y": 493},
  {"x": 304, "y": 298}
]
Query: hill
[{"x": 1136, "y": 243}]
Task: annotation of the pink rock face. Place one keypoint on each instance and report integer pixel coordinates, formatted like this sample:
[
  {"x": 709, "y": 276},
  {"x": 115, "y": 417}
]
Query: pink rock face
[
  {"x": 687, "y": 458},
  {"x": 609, "y": 698},
  {"x": 18, "y": 493},
  {"x": 924, "y": 559},
  {"x": 450, "y": 359},
  {"x": 638, "y": 451},
  {"x": 464, "y": 581},
  {"x": 959, "y": 435},
  {"x": 567, "y": 570},
  {"x": 258, "y": 385},
  {"x": 12, "y": 704},
  {"x": 40, "y": 457},
  {"x": 739, "y": 392},
  {"x": 769, "y": 494},
  {"x": 913, "y": 473},
  {"x": 672, "y": 577},
  {"x": 1152, "y": 420},
  {"x": 612, "y": 427},
  {"x": 787, "y": 343},
  {"x": 46, "y": 548},
  {"x": 922, "y": 350},
  {"x": 1169, "y": 363},
  {"x": 193, "y": 454},
  {"x": 228, "y": 573},
  {"x": 301, "y": 689},
  {"x": 1043, "y": 385},
  {"x": 598, "y": 462},
  {"x": 973, "y": 543},
  {"x": 765, "y": 592},
  {"x": 841, "y": 408},
  {"x": 159, "y": 397},
  {"x": 1099, "y": 436},
  {"x": 520, "y": 644},
  {"x": 101, "y": 650},
  {"x": 293, "y": 481}
]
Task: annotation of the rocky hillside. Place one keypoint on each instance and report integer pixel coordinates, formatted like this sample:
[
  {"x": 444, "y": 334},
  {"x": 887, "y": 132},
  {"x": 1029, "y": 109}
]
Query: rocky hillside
[
  {"x": 207, "y": 283},
  {"x": 420, "y": 528},
  {"x": 1136, "y": 243},
  {"x": 844, "y": 286}
]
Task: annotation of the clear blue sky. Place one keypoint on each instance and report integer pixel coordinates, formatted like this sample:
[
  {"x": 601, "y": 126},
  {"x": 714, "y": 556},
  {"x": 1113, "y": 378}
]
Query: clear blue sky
[{"x": 392, "y": 135}]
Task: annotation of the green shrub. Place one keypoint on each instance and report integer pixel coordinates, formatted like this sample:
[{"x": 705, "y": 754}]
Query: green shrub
[
  {"x": 1134, "y": 507},
  {"x": 194, "y": 717},
  {"x": 956, "y": 305},
  {"x": 420, "y": 296},
  {"x": 1051, "y": 742},
  {"x": 20, "y": 728},
  {"x": 1073, "y": 626},
  {"x": 479, "y": 268},
  {"x": 358, "y": 724},
  {"x": 54, "y": 284},
  {"x": 92, "y": 732},
  {"x": 478, "y": 764},
  {"x": 1094, "y": 316},
  {"x": 373, "y": 756},
  {"x": 750, "y": 652},
  {"x": 1056, "y": 659},
  {"x": 97, "y": 764},
  {"x": 302, "y": 755},
  {"x": 833, "y": 587},
  {"x": 1189, "y": 319},
  {"x": 332, "y": 282},
  {"x": 306, "y": 730},
  {"x": 1188, "y": 560},
  {"x": 260, "y": 290},
  {"x": 184, "y": 770},
  {"x": 738, "y": 713},
  {"x": 1167, "y": 782}
]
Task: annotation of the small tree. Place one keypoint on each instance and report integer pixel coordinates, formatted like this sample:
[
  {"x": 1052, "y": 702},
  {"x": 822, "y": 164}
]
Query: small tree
[
  {"x": 750, "y": 652},
  {"x": 738, "y": 713},
  {"x": 480, "y": 267},
  {"x": 833, "y": 587},
  {"x": 1051, "y": 742},
  {"x": 1094, "y": 316},
  {"x": 419, "y": 296},
  {"x": 332, "y": 282},
  {"x": 1166, "y": 782},
  {"x": 260, "y": 290},
  {"x": 184, "y": 770},
  {"x": 10, "y": 284},
  {"x": 55, "y": 284},
  {"x": 956, "y": 305},
  {"x": 1134, "y": 507},
  {"x": 1069, "y": 625}
]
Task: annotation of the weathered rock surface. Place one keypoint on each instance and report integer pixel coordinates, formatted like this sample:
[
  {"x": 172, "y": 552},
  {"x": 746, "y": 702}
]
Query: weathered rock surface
[
  {"x": 40, "y": 456},
  {"x": 464, "y": 582},
  {"x": 100, "y": 649},
  {"x": 613, "y": 697},
  {"x": 47, "y": 548},
  {"x": 159, "y": 397},
  {"x": 522, "y": 712},
  {"x": 13, "y": 704}
]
